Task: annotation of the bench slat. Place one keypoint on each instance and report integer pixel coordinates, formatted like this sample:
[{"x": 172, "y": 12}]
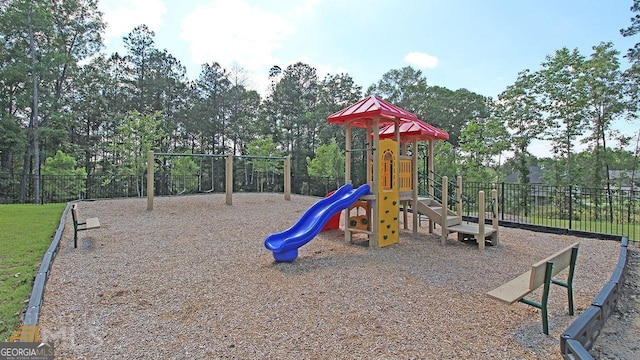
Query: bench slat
[
  {"x": 561, "y": 260},
  {"x": 514, "y": 290},
  {"x": 91, "y": 223},
  {"x": 519, "y": 287}
]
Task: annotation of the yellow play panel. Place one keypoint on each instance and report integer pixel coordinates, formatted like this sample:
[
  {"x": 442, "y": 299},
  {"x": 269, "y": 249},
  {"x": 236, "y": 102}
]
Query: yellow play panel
[{"x": 389, "y": 194}]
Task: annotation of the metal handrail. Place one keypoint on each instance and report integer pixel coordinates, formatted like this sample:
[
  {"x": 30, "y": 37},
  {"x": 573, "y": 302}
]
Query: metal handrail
[{"x": 452, "y": 199}]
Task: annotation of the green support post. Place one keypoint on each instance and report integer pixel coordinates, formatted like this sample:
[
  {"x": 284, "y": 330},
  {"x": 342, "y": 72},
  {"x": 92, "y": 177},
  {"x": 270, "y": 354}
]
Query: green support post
[
  {"x": 569, "y": 283},
  {"x": 548, "y": 280},
  {"x": 545, "y": 297}
]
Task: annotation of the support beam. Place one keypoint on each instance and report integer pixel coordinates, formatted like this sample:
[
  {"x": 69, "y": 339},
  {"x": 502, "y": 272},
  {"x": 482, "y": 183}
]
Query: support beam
[
  {"x": 414, "y": 205},
  {"x": 229, "y": 179},
  {"x": 375, "y": 211},
  {"x": 348, "y": 235},
  {"x": 287, "y": 178},
  {"x": 445, "y": 209}
]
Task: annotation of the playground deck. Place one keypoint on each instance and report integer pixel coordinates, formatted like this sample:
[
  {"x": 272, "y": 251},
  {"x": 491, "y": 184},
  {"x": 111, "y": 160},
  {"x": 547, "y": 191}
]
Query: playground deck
[{"x": 192, "y": 279}]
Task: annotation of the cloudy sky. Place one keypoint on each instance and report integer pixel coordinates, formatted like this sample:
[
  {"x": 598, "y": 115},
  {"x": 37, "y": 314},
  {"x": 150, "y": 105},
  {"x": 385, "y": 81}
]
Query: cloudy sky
[
  {"x": 474, "y": 44},
  {"x": 480, "y": 45}
]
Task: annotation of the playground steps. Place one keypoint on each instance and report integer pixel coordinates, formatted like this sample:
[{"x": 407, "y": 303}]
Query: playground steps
[
  {"x": 433, "y": 210},
  {"x": 472, "y": 229}
]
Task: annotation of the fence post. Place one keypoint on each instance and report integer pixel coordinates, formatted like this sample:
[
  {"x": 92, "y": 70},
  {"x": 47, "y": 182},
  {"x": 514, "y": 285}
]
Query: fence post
[
  {"x": 494, "y": 221},
  {"x": 481, "y": 216},
  {"x": 150, "y": 181},
  {"x": 445, "y": 209},
  {"x": 501, "y": 197},
  {"x": 459, "y": 197},
  {"x": 570, "y": 206}
]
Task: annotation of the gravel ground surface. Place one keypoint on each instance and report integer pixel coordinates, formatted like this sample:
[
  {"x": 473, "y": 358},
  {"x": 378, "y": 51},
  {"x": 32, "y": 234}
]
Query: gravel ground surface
[
  {"x": 620, "y": 336},
  {"x": 192, "y": 280}
]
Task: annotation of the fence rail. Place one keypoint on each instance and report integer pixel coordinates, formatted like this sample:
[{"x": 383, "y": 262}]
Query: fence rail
[{"x": 593, "y": 210}]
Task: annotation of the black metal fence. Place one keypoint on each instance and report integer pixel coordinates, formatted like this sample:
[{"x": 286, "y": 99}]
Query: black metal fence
[
  {"x": 60, "y": 189},
  {"x": 593, "y": 210}
]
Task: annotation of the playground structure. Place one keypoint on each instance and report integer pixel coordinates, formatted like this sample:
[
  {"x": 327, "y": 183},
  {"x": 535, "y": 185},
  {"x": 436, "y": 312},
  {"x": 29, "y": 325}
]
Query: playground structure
[
  {"x": 228, "y": 181},
  {"x": 393, "y": 176},
  {"x": 392, "y": 179}
]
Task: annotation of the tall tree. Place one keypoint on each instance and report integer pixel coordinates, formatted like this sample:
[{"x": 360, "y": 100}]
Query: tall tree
[
  {"x": 563, "y": 100},
  {"x": 633, "y": 54},
  {"x": 328, "y": 163},
  {"x": 46, "y": 41},
  {"x": 519, "y": 108},
  {"x": 138, "y": 134},
  {"x": 632, "y": 74},
  {"x": 212, "y": 108},
  {"x": 335, "y": 93},
  {"x": 90, "y": 112},
  {"x": 166, "y": 91},
  {"x": 140, "y": 46},
  {"x": 243, "y": 112},
  {"x": 403, "y": 87},
  {"x": 605, "y": 103},
  {"x": 483, "y": 139},
  {"x": 35, "y": 119},
  {"x": 291, "y": 108}
]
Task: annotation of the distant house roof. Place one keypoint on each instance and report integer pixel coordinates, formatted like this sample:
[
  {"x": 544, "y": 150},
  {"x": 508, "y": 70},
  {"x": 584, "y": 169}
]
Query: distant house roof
[
  {"x": 535, "y": 176},
  {"x": 624, "y": 176},
  {"x": 617, "y": 174}
]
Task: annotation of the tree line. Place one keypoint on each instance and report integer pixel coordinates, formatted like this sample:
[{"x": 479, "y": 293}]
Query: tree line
[{"x": 60, "y": 93}]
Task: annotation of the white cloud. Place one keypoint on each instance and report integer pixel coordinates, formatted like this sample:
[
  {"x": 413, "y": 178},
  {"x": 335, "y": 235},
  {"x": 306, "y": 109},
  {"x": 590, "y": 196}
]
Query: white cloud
[
  {"x": 124, "y": 15},
  {"x": 307, "y": 7},
  {"x": 232, "y": 31},
  {"x": 421, "y": 60}
]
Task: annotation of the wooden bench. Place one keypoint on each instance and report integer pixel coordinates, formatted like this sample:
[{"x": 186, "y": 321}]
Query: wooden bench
[
  {"x": 541, "y": 273},
  {"x": 91, "y": 223}
]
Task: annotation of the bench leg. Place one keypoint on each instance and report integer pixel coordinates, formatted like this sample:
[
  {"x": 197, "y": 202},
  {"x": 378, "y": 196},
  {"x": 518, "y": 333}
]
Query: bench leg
[
  {"x": 545, "y": 297},
  {"x": 75, "y": 239},
  {"x": 569, "y": 283},
  {"x": 572, "y": 267}
]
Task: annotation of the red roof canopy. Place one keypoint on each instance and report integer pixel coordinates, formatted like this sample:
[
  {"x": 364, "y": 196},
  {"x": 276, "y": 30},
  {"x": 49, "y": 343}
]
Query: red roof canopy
[
  {"x": 362, "y": 113},
  {"x": 414, "y": 129}
]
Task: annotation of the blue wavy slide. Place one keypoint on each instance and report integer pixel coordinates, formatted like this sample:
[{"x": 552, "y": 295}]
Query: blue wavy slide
[{"x": 285, "y": 244}]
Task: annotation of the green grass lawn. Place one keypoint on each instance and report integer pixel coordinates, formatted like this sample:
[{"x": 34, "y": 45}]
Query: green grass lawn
[{"x": 26, "y": 232}]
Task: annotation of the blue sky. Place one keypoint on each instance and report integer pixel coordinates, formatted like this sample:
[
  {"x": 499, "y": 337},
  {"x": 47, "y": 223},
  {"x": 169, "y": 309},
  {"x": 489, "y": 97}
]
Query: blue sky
[{"x": 473, "y": 44}]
